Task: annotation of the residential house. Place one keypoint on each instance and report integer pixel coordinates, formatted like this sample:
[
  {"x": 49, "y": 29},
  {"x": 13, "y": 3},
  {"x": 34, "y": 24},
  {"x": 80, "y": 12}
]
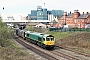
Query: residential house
[{"x": 74, "y": 19}]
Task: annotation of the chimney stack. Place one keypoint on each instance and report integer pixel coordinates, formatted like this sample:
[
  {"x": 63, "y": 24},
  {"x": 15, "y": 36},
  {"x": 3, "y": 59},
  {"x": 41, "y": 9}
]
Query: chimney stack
[
  {"x": 87, "y": 13},
  {"x": 83, "y": 13},
  {"x": 75, "y": 11},
  {"x": 70, "y": 12},
  {"x": 76, "y": 14}
]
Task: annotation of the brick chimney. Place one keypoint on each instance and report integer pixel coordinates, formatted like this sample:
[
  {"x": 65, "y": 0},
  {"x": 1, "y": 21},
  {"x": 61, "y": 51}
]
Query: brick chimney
[
  {"x": 76, "y": 14},
  {"x": 70, "y": 12},
  {"x": 83, "y": 13},
  {"x": 87, "y": 13}
]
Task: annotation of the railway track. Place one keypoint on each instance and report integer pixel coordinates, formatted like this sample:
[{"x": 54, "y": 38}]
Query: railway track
[
  {"x": 71, "y": 54},
  {"x": 81, "y": 53},
  {"x": 37, "y": 50},
  {"x": 67, "y": 56}
]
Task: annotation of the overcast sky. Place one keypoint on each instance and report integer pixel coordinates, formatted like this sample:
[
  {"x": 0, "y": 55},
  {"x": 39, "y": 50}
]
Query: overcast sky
[{"x": 25, "y": 6}]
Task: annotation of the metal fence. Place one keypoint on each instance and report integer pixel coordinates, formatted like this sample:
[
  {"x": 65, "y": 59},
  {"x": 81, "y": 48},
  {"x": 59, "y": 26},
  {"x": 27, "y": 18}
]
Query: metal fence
[{"x": 70, "y": 29}]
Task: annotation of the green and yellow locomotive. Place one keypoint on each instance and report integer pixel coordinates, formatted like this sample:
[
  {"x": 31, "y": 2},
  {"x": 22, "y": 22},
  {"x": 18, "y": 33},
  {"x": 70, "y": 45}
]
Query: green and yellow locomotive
[{"x": 40, "y": 39}]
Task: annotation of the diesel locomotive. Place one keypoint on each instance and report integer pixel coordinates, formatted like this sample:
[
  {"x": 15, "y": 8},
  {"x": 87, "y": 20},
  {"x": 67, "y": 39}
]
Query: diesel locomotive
[{"x": 43, "y": 40}]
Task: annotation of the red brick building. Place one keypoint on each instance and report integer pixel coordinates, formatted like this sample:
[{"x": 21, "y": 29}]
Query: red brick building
[{"x": 74, "y": 19}]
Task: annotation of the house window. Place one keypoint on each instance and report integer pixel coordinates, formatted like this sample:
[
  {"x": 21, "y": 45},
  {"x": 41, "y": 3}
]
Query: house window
[
  {"x": 78, "y": 24},
  {"x": 78, "y": 20},
  {"x": 83, "y": 20},
  {"x": 75, "y": 20}
]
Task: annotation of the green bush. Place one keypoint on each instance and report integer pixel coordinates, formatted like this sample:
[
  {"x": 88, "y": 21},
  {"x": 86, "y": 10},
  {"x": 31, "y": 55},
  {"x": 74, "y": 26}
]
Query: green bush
[{"x": 5, "y": 34}]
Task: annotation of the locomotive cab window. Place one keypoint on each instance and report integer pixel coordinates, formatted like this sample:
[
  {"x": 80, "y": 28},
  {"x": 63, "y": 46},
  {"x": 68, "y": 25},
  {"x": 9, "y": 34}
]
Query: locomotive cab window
[
  {"x": 27, "y": 35},
  {"x": 52, "y": 38},
  {"x": 39, "y": 39},
  {"x": 47, "y": 39},
  {"x": 43, "y": 39}
]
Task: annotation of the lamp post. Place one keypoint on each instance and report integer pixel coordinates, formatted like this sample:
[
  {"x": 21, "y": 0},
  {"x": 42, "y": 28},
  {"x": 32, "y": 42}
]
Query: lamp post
[{"x": 3, "y": 13}]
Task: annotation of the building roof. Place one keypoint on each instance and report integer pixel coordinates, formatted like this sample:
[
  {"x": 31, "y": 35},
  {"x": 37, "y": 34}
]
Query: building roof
[
  {"x": 83, "y": 16},
  {"x": 70, "y": 15}
]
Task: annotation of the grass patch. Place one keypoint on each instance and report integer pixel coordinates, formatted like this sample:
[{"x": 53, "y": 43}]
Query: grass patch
[
  {"x": 13, "y": 52},
  {"x": 77, "y": 41},
  {"x": 59, "y": 35}
]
